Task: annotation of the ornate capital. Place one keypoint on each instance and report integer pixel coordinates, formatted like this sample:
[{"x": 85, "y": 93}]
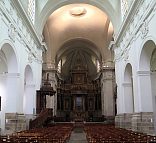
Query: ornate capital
[
  {"x": 30, "y": 57},
  {"x": 12, "y": 32},
  {"x": 143, "y": 73},
  {"x": 144, "y": 29}
]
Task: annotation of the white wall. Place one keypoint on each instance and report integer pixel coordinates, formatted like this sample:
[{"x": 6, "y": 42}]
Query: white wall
[
  {"x": 17, "y": 44},
  {"x": 137, "y": 30}
]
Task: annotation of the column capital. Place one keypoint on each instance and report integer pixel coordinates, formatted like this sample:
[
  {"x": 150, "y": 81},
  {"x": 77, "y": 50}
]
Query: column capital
[
  {"x": 107, "y": 68},
  {"x": 143, "y": 73},
  {"x": 13, "y": 75},
  {"x": 30, "y": 85},
  {"x": 49, "y": 67},
  {"x": 3, "y": 75},
  {"x": 127, "y": 84}
]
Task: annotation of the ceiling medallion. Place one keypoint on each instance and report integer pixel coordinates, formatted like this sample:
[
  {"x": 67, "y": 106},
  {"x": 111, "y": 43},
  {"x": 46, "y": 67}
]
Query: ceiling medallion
[{"x": 78, "y": 11}]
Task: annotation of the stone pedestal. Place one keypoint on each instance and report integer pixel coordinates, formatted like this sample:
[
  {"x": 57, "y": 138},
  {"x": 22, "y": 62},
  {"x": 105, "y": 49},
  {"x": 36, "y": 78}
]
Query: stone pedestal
[
  {"x": 14, "y": 122},
  {"x": 143, "y": 122},
  {"x": 139, "y": 122},
  {"x": 124, "y": 121}
]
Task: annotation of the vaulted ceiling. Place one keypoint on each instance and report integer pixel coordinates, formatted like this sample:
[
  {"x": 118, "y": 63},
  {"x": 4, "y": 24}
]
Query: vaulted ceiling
[{"x": 78, "y": 30}]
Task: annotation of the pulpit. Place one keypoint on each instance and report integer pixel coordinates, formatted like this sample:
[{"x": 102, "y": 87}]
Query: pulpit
[{"x": 45, "y": 90}]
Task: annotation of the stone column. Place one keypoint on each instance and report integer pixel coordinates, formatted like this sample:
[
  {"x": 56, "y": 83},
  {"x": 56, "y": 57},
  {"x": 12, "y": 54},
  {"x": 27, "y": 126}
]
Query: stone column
[
  {"x": 143, "y": 121},
  {"x": 144, "y": 91},
  {"x": 3, "y": 101},
  {"x": 153, "y": 83},
  {"x": 107, "y": 92}
]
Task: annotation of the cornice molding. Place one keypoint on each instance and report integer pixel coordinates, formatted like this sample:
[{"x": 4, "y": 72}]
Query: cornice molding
[
  {"x": 126, "y": 21},
  {"x": 135, "y": 22},
  {"x": 143, "y": 73},
  {"x": 104, "y": 69},
  {"x": 17, "y": 4},
  {"x": 127, "y": 84},
  {"x": 17, "y": 17},
  {"x": 132, "y": 13}
]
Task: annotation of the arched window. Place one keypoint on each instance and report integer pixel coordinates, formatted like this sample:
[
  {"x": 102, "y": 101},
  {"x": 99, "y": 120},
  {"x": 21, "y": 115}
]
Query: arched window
[
  {"x": 124, "y": 7},
  {"x": 31, "y": 10}
]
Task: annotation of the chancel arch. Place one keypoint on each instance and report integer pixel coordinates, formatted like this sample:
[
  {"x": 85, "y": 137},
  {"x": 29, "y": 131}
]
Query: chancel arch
[{"x": 80, "y": 43}]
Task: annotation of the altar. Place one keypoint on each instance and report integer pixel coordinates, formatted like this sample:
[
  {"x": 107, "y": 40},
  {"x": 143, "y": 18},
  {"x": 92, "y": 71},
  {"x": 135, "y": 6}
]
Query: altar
[{"x": 79, "y": 98}]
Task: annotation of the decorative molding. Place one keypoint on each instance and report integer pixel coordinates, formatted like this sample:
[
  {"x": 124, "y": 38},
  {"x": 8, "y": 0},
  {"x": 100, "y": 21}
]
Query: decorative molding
[
  {"x": 26, "y": 20},
  {"x": 13, "y": 75},
  {"x": 78, "y": 11},
  {"x": 12, "y": 32},
  {"x": 107, "y": 69},
  {"x": 108, "y": 74},
  {"x": 30, "y": 85},
  {"x": 12, "y": 12},
  {"x": 3, "y": 75},
  {"x": 143, "y": 73},
  {"x": 144, "y": 30},
  {"x": 30, "y": 57},
  {"x": 135, "y": 22},
  {"x": 127, "y": 84}
]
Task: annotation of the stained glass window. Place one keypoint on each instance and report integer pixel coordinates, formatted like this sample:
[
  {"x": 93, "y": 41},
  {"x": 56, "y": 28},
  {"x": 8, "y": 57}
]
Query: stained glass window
[{"x": 31, "y": 10}]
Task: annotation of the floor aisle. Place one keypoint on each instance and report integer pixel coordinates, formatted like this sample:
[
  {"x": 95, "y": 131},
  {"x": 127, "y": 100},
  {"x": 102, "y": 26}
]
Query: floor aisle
[{"x": 78, "y": 136}]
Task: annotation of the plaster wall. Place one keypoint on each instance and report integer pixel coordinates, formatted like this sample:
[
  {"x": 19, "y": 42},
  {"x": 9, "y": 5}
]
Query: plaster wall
[{"x": 26, "y": 51}]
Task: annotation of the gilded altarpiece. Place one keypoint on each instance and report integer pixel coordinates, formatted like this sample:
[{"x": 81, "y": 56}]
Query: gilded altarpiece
[{"x": 79, "y": 97}]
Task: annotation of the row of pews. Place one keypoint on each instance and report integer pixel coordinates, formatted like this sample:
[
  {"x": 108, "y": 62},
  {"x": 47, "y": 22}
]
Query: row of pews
[
  {"x": 98, "y": 133},
  {"x": 58, "y": 133}
]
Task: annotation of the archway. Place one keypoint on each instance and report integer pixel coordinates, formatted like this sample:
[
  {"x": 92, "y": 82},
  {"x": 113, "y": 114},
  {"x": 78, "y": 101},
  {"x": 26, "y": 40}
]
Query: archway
[
  {"x": 3, "y": 71},
  {"x": 29, "y": 91},
  {"x": 9, "y": 81},
  {"x": 11, "y": 76},
  {"x": 80, "y": 40},
  {"x": 128, "y": 89},
  {"x": 144, "y": 77},
  {"x": 153, "y": 76},
  {"x": 147, "y": 80},
  {"x": 153, "y": 82}
]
